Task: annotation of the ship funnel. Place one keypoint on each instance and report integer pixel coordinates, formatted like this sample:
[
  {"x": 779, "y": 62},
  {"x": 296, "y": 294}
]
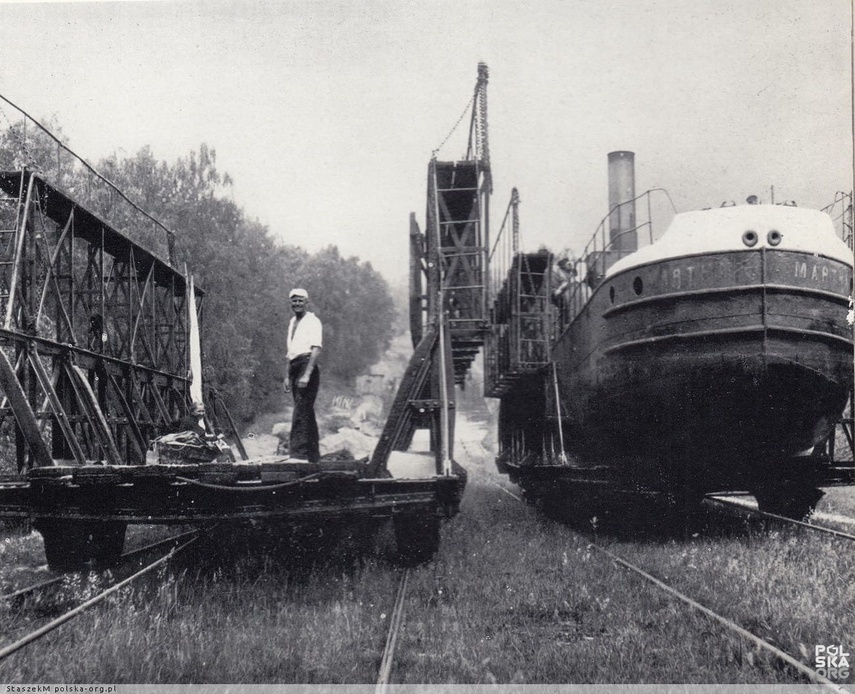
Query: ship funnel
[{"x": 622, "y": 233}]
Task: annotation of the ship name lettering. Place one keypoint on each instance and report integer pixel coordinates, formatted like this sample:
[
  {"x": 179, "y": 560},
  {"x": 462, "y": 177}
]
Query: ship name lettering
[
  {"x": 679, "y": 277},
  {"x": 819, "y": 273}
]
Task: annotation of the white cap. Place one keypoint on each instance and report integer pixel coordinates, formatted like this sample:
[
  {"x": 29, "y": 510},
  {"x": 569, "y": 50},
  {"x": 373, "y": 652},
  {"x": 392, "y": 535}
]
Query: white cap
[{"x": 298, "y": 292}]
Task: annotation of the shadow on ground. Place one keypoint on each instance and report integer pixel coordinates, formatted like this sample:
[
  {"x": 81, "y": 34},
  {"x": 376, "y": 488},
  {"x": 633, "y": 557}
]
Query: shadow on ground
[
  {"x": 654, "y": 521},
  {"x": 296, "y": 553}
]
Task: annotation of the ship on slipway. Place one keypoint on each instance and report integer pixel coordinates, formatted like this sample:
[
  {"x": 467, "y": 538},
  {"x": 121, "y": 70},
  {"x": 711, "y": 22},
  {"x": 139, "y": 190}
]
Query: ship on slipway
[{"x": 717, "y": 358}]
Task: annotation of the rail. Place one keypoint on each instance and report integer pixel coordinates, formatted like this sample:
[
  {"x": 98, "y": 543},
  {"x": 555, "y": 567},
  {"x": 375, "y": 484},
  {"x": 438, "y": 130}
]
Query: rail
[
  {"x": 386, "y": 662},
  {"x": 71, "y": 614},
  {"x": 134, "y": 553},
  {"x": 759, "y": 643},
  {"x": 751, "y": 511}
]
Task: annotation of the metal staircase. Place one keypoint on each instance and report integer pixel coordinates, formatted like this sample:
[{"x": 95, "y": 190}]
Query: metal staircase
[
  {"x": 456, "y": 253},
  {"x": 522, "y": 312}
]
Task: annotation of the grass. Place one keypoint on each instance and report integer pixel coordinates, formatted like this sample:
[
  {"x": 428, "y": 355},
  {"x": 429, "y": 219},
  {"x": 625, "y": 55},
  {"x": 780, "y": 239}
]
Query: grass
[
  {"x": 792, "y": 589},
  {"x": 512, "y": 597},
  {"x": 518, "y": 598},
  {"x": 839, "y": 500},
  {"x": 254, "y": 621},
  {"x": 525, "y": 600},
  {"x": 22, "y": 560}
]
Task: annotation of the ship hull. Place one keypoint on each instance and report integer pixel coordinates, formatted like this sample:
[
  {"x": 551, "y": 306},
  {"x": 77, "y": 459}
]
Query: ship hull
[{"x": 732, "y": 363}]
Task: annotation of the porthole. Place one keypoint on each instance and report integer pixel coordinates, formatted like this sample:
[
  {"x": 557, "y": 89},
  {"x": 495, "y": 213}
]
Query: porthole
[
  {"x": 637, "y": 286},
  {"x": 750, "y": 238},
  {"x": 612, "y": 294},
  {"x": 774, "y": 237}
]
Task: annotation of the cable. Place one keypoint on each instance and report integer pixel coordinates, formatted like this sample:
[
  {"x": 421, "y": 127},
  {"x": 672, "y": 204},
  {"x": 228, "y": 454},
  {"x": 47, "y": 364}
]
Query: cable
[
  {"x": 266, "y": 487},
  {"x": 169, "y": 232},
  {"x": 451, "y": 132}
]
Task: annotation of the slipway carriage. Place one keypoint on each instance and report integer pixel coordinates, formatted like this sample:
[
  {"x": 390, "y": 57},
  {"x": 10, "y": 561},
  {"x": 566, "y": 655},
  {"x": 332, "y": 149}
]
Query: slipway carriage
[{"x": 96, "y": 348}]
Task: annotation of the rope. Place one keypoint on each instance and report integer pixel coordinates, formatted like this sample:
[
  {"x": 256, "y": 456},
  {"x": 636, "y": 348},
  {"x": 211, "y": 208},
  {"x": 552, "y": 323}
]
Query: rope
[
  {"x": 563, "y": 456},
  {"x": 502, "y": 228},
  {"x": 266, "y": 487},
  {"x": 451, "y": 132}
]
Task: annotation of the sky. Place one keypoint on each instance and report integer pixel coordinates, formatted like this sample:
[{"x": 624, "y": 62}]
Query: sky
[{"x": 325, "y": 114}]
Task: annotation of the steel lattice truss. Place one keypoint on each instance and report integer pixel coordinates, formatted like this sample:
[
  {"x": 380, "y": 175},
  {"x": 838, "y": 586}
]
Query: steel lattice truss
[
  {"x": 93, "y": 343},
  {"x": 451, "y": 257}
]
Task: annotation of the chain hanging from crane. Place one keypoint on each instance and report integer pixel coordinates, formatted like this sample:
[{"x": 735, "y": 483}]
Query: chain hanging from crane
[{"x": 478, "y": 145}]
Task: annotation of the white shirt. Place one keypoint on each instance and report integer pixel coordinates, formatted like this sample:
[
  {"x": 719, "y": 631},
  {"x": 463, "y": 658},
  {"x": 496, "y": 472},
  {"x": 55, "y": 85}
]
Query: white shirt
[{"x": 308, "y": 333}]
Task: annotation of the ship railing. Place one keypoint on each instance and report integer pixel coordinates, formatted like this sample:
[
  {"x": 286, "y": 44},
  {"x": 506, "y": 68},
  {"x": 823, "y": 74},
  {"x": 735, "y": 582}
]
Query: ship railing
[
  {"x": 841, "y": 213},
  {"x": 583, "y": 274},
  {"x": 38, "y": 149},
  {"x": 526, "y": 321}
]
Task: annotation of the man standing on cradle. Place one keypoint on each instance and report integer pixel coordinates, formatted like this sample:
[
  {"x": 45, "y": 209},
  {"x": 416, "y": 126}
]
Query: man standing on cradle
[{"x": 305, "y": 339}]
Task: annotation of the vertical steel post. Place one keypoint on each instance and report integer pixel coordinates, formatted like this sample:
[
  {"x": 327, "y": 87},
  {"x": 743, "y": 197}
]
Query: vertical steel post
[
  {"x": 622, "y": 235},
  {"x": 445, "y": 427},
  {"x": 19, "y": 252}
]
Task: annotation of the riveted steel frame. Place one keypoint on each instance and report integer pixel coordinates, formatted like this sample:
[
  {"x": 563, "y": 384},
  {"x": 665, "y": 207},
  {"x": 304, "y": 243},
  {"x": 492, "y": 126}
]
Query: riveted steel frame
[
  {"x": 456, "y": 240},
  {"x": 455, "y": 261},
  {"x": 93, "y": 345}
]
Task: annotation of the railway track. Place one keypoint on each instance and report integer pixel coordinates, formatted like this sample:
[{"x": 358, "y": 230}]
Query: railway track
[
  {"x": 754, "y": 512},
  {"x": 397, "y": 618},
  {"x": 35, "y": 588},
  {"x": 185, "y": 540},
  {"x": 406, "y": 619},
  {"x": 41, "y": 591},
  {"x": 806, "y": 672}
]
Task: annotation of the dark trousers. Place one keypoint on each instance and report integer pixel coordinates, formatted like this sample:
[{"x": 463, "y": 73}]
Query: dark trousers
[{"x": 304, "y": 427}]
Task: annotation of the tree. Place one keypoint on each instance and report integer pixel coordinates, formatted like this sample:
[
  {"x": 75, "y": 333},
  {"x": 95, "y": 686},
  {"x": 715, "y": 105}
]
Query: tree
[
  {"x": 245, "y": 274},
  {"x": 356, "y": 306}
]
